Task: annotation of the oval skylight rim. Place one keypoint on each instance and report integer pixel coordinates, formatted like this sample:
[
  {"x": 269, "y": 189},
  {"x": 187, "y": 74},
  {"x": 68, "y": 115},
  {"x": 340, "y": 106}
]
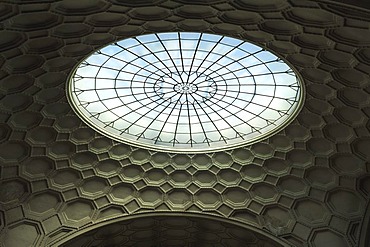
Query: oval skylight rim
[{"x": 195, "y": 148}]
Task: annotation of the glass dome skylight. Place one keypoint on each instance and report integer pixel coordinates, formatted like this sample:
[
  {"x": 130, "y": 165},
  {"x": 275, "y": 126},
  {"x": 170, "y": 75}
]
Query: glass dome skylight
[{"x": 185, "y": 92}]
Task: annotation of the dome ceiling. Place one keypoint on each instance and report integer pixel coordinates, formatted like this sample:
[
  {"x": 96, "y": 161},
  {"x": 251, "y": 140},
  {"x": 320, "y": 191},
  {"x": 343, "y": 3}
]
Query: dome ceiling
[
  {"x": 308, "y": 185},
  {"x": 185, "y": 92}
]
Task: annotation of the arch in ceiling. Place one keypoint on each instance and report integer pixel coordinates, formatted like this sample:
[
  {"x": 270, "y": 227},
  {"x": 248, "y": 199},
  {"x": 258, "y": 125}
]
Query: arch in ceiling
[
  {"x": 359, "y": 3},
  {"x": 170, "y": 229}
]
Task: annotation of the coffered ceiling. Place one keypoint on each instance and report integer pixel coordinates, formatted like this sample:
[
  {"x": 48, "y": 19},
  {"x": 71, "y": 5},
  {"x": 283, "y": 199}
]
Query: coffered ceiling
[{"x": 63, "y": 184}]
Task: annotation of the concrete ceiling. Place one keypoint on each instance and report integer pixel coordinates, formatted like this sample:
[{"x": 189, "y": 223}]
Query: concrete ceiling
[{"x": 63, "y": 184}]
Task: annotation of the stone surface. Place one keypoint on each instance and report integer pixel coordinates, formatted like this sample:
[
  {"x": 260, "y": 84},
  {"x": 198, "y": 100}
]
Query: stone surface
[{"x": 307, "y": 185}]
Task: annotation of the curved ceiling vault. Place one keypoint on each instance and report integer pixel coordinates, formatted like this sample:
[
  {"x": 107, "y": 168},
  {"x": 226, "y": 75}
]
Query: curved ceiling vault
[{"x": 308, "y": 185}]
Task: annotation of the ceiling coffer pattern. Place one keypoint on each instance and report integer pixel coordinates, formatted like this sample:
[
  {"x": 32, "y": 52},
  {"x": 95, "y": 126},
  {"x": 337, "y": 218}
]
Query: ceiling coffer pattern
[{"x": 308, "y": 185}]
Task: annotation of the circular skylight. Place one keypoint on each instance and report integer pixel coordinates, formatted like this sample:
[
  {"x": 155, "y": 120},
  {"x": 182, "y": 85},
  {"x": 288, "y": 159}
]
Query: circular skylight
[{"x": 185, "y": 92}]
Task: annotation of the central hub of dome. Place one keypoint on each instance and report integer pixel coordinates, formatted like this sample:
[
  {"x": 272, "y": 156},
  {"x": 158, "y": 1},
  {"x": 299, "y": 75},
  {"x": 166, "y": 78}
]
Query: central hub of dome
[{"x": 185, "y": 87}]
